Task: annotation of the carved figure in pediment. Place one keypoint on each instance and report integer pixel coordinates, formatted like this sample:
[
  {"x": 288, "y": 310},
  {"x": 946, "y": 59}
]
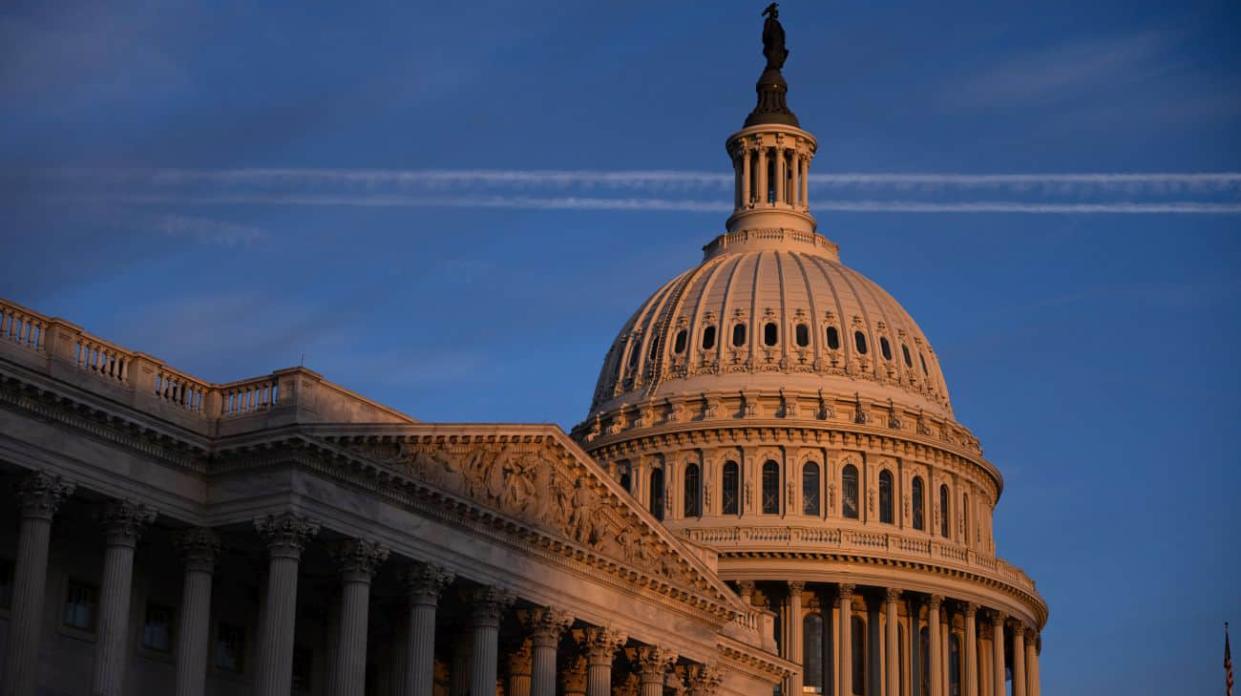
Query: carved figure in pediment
[
  {"x": 518, "y": 485},
  {"x": 582, "y": 525},
  {"x": 439, "y": 471}
]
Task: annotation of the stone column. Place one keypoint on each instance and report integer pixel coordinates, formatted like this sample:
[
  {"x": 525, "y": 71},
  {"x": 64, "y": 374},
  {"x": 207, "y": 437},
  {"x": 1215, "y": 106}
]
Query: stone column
[
  {"x": 795, "y": 635},
  {"x": 652, "y": 664},
  {"x": 746, "y": 193},
  {"x": 997, "y": 652},
  {"x": 519, "y": 660},
  {"x": 1019, "y": 659},
  {"x": 762, "y": 175},
  {"x": 199, "y": 548},
  {"x": 892, "y": 654},
  {"x": 39, "y": 495},
  {"x": 971, "y": 650},
  {"x": 545, "y": 626},
  {"x": 1032, "y": 680},
  {"x": 122, "y": 524},
  {"x": 286, "y": 535},
  {"x": 600, "y": 645},
  {"x": 358, "y": 560},
  {"x": 914, "y": 606},
  {"x": 844, "y": 666},
  {"x": 487, "y": 605},
  {"x": 423, "y": 584},
  {"x": 936, "y": 644},
  {"x": 805, "y": 187}
]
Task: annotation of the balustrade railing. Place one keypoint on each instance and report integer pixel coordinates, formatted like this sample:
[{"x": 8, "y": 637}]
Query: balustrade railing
[{"x": 22, "y": 327}]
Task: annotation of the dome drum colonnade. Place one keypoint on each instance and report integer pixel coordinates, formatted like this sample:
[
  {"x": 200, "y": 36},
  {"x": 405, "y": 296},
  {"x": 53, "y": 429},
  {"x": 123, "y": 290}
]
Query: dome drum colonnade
[{"x": 787, "y": 415}]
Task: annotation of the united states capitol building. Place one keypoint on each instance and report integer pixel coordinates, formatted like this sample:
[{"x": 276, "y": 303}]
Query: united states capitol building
[{"x": 771, "y": 493}]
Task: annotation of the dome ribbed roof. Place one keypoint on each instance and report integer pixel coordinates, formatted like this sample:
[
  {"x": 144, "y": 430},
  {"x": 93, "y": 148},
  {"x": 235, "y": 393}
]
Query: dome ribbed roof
[{"x": 822, "y": 315}]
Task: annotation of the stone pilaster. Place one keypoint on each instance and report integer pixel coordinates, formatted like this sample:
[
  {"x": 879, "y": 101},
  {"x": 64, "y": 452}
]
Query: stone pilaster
[
  {"x": 892, "y": 653},
  {"x": 423, "y": 582},
  {"x": 122, "y": 522},
  {"x": 936, "y": 643},
  {"x": 39, "y": 496},
  {"x": 545, "y": 626},
  {"x": 358, "y": 560},
  {"x": 486, "y": 606},
  {"x": 997, "y": 648},
  {"x": 286, "y": 535},
  {"x": 199, "y": 548},
  {"x": 1032, "y": 681},
  {"x": 600, "y": 646},
  {"x": 795, "y": 647},
  {"x": 652, "y": 664},
  {"x": 844, "y": 666},
  {"x": 971, "y": 649}
]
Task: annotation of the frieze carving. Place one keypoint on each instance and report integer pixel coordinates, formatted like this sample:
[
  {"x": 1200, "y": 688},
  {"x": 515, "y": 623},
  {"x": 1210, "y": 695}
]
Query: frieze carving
[{"x": 530, "y": 482}]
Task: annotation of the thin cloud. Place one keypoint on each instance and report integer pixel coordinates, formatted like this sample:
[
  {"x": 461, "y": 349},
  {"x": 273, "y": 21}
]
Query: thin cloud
[{"x": 207, "y": 231}]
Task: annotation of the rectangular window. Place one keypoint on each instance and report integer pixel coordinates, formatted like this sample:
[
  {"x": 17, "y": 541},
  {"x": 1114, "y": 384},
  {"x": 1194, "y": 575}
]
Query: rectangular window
[
  {"x": 6, "y": 583},
  {"x": 81, "y": 605},
  {"x": 157, "y": 628},
  {"x": 230, "y": 647}
]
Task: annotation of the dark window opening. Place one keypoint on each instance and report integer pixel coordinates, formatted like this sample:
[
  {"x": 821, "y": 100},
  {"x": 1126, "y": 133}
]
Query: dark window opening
[
  {"x": 708, "y": 338},
  {"x": 954, "y": 665},
  {"x": 693, "y": 491},
  {"x": 657, "y": 493},
  {"x": 885, "y": 348},
  {"x": 923, "y": 361},
  {"x": 6, "y": 583},
  {"x": 849, "y": 491},
  {"x": 812, "y": 632},
  {"x": 81, "y": 605},
  {"x": 654, "y": 351},
  {"x": 833, "y": 338},
  {"x": 739, "y": 335},
  {"x": 908, "y": 360},
  {"x": 625, "y": 479},
  {"x": 810, "y": 489},
  {"x": 303, "y": 668},
  {"x": 633, "y": 355},
  {"x": 157, "y": 628},
  {"x": 944, "y": 512},
  {"x": 230, "y": 647},
  {"x": 885, "y": 496},
  {"x": 859, "y": 655},
  {"x": 918, "y": 504},
  {"x": 803, "y": 335},
  {"x": 731, "y": 497},
  {"x": 678, "y": 345},
  {"x": 859, "y": 339},
  {"x": 771, "y": 334},
  {"x": 771, "y": 488}
]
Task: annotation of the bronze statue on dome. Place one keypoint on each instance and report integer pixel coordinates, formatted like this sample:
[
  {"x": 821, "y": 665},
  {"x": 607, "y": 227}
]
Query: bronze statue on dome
[{"x": 773, "y": 38}]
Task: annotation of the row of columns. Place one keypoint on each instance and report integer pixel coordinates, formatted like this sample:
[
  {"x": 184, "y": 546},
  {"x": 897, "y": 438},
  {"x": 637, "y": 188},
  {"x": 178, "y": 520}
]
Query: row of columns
[
  {"x": 886, "y": 660},
  {"x": 792, "y": 169},
  {"x": 286, "y": 535}
]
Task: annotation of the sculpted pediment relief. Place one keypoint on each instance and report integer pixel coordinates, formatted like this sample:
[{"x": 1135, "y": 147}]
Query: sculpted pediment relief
[{"x": 539, "y": 482}]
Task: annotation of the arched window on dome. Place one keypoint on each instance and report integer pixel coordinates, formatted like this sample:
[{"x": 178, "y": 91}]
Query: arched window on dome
[
  {"x": 945, "y": 513},
  {"x": 730, "y": 496},
  {"x": 909, "y": 362},
  {"x": 922, "y": 359},
  {"x": 708, "y": 337},
  {"x": 802, "y": 334},
  {"x": 859, "y": 340},
  {"x": 657, "y": 493},
  {"x": 654, "y": 352},
  {"x": 849, "y": 491},
  {"x": 678, "y": 344},
  {"x": 812, "y": 662},
  {"x": 810, "y": 489},
  {"x": 738, "y": 335},
  {"x": 919, "y": 497},
  {"x": 885, "y": 348},
  {"x": 771, "y": 488},
  {"x": 885, "y": 497},
  {"x": 693, "y": 491},
  {"x": 833, "y": 338},
  {"x": 633, "y": 354},
  {"x": 771, "y": 334}
]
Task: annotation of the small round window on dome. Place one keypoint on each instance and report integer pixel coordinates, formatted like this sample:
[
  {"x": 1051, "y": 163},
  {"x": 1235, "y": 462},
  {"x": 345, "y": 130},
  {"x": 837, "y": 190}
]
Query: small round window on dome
[
  {"x": 885, "y": 348},
  {"x": 833, "y": 338},
  {"x": 859, "y": 339},
  {"x": 678, "y": 345},
  {"x": 803, "y": 335},
  {"x": 771, "y": 334},
  {"x": 739, "y": 335},
  {"x": 908, "y": 360},
  {"x": 708, "y": 338}
]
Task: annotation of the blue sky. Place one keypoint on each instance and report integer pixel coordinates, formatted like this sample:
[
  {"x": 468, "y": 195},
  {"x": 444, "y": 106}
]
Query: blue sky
[{"x": 231, "y": 186}]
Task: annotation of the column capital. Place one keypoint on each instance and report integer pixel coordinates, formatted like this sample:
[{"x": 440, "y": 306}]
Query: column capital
[
  {"x": 198, "y": 547},
  {"x": 998, "y": 617},
  {"x": 286, "y": 533},
  {"x": 1018, "y": 626},
  {"x": 745, "y": 588},
  {"x": 652, "y": 662},
  {"x": 703, "y": 680},
  {"x": 970, "y": 609},
  {"x": 425, "y": 581},
  {"x": 935, "y": 602},
  {"x": 796, "y": 587},
  {"x": 600, "y": 644},
  {"x": 1031, "y": 634},
  {"x": 358, "y": 559},
  {"x": 545, "y": 624},
  {"x": 487, "y": 604},
  {"x": 124, "y": 520},
  {"x": 893, "y": 594},
  {"x": 40, "y": 494},
  {"x": 845, "y": 591}
]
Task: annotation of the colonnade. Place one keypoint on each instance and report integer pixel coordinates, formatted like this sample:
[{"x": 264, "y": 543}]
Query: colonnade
[
  {"x": 536, "y": 666},
  {"x": 887, "y": 658},
  {"x": 755, "y": 164}
]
